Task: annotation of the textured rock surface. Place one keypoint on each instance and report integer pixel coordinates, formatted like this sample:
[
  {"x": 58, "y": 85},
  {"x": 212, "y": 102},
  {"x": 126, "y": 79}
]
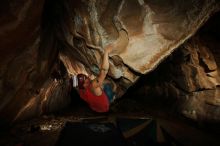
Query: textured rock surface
[
  {"x": 26, "y": 87},
  {"x": 144, "y": 33},
  {"x": 202, "y": 106},
  {"x": 36, "y": 35},
  {"x": 189, "y": 78}
]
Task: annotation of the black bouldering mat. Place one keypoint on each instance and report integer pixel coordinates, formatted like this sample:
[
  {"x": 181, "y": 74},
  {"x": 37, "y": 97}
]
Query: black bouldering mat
[
  {"x": 145, "y": 132},
  {"x": 90, "y": 134}
]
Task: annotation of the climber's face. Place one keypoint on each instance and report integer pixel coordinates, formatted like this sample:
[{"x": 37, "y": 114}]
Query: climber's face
[{"x": 83, "y": 81}]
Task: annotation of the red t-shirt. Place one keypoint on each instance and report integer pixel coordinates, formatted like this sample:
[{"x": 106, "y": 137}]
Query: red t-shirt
[{"x": 96, "y": 103}]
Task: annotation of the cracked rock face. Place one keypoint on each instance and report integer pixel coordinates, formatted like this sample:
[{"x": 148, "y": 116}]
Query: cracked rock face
[
  {"x": 44, "y": 42},
  {"x": 144, "y": 33},
  {"x": 189, "y": 77}
]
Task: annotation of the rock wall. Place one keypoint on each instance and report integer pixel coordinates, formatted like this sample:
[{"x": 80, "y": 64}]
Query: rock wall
[
  {"x": 144, "y": 33},
  {"x": 28, "y": 63},
  {"x": 189, "y": 79}
]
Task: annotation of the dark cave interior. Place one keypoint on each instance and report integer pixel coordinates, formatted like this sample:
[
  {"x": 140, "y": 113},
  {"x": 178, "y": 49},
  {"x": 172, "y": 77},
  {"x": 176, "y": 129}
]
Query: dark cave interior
[{"x": 157, "y": 95}]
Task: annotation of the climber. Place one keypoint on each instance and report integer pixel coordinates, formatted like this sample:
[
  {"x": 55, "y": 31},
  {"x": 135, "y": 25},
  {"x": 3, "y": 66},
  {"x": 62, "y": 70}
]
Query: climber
[{"x": 97, "y": 94}]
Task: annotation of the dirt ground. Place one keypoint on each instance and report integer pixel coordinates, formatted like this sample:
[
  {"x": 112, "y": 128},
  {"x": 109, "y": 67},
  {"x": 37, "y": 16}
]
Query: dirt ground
[{"x": 45, "y": 130}]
